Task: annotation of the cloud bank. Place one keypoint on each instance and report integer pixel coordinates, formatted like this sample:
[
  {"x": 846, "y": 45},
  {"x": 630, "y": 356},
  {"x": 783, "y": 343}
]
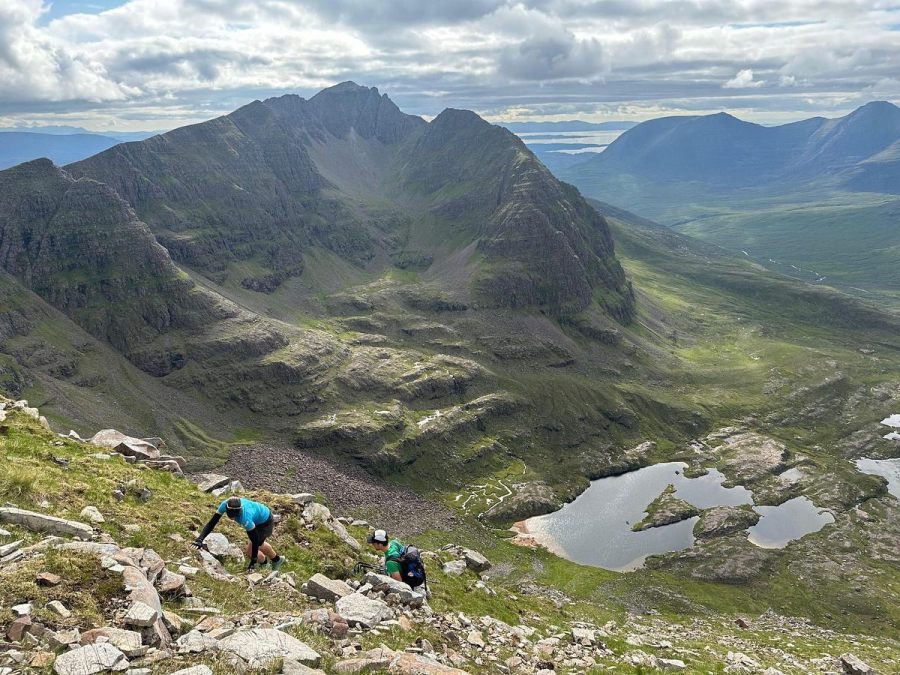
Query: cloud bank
[{"x": 159, "y": 63}]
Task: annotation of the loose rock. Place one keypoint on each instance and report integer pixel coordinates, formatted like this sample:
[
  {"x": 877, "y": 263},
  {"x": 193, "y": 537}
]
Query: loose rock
[
  {"x": 90, "y": 659},
  {"x": 321, "y": 587},
  {"x": 92, "y": 514},
  {"x": 261, "y": 647},
  {"x": 141, "y": 614},
  {"x": 39, "y": 522},
  {"x": 360, "y": 610},
  {"x": 476, "y": 561},
  {"x": 853, "y": 665}
]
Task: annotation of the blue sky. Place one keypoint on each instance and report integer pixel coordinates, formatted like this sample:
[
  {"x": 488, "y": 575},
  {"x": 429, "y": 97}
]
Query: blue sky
[
  {"x": 61, "y": 8},
  {"x": 156, "y": 64}
]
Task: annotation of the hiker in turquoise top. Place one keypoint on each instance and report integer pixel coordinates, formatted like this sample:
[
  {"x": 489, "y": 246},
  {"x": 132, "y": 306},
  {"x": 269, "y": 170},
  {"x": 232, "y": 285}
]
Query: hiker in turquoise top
[
  {"x": 257, "y": 520},
  {"x": 392, "y": 552}
]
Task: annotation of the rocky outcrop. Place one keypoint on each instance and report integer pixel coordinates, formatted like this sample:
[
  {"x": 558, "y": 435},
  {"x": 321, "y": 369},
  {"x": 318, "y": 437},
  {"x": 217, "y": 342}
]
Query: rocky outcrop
[
  {"x": 665, "y": 510},
  {"x": 724, "y": 520},
  {"x": 749, "y": 457},
  {"x": 360, "y": 610},
  {"x": 39, "y": 522},
  {"x": 260, "y": 648},
  {"x": 315, "y": 513},
  {"x": 392, "y": 588}
]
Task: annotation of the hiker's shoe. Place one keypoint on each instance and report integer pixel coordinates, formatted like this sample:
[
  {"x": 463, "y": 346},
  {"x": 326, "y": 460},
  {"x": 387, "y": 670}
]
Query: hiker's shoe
[{"x": 276, "y": 564}]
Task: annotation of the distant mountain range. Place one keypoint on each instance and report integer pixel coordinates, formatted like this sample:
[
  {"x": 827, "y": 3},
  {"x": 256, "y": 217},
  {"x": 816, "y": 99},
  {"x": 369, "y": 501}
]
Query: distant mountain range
[
  {"x": 60, "y": 144},
  {"x": 818, "y": 199},
  {"x": 18, "y": 147},
  {"x": 569, "y": 125},
  {"x": 860, "y": 151}
]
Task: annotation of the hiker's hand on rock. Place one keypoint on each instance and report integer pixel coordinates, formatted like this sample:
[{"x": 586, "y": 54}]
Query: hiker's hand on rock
[{"x": 198, "y": 544}]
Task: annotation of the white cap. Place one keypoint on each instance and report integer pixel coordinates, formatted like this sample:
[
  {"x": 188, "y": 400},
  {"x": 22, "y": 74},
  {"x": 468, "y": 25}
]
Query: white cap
[{"x": 380, "y": 536}]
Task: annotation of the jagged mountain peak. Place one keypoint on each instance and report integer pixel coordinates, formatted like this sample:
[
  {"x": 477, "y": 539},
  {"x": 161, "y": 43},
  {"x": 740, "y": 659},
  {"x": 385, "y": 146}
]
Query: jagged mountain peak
[
  {"x": 276, "y": 179},
  {"x": 36, "y": 167},
  {"x": 370, "y": 114},
  {"x": 348, "y": 86}
]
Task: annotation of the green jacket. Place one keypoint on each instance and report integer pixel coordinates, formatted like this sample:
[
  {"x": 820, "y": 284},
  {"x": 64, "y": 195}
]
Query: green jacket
[{"x": 395, "y": 550}]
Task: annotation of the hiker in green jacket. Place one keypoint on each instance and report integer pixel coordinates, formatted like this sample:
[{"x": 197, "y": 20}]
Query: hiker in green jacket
[
  {"x": 392, "y": 550},
  {"x": 403, "y": 563}
]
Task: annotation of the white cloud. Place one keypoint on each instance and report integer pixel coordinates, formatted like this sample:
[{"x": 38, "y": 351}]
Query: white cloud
[
  {"x": 743, "y": 80},
  {"x": 36, "y": 67},
  {"x": 149, "y": 62}
]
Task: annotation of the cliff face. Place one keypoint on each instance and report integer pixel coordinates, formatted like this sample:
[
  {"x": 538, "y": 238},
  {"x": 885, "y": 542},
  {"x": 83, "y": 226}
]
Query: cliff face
[
  {"x": 243, "y": 188},
  {"x": 251, "y": 188},
  {"x": 80, "y": 247},
  {"x": 543, "y": 245}
]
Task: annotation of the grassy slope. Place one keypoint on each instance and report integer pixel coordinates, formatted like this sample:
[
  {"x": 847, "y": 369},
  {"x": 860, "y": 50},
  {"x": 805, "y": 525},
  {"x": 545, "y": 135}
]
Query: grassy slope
[
  {"x": 848, "y": 237},
  {"x": 749, "y": 359},
  {"x": 178, "y": 508}
]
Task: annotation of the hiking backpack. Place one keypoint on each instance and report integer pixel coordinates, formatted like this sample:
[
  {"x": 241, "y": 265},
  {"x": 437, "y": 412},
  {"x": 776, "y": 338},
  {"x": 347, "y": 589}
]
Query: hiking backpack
[{"x": 412, "y": 569}]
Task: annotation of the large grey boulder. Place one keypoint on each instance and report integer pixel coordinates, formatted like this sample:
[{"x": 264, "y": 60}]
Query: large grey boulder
[
  {"x": 261, "y": 647},
  {"x": 90, "y": 659},
  {"x": 476, "y": 561},
  {"x": 128, "y": 641},
  {"x": 211, "y": 481},
  {"x": 128, "y": 446},
  {"x": 386, "y": 584},
  {"x": 319, "y": 513},
  {"x": 40, "y": 522},
  {"x": 321, "y": 587},
  {"x": 218, "y": 544},
  {"x": 360, "y": 610}
]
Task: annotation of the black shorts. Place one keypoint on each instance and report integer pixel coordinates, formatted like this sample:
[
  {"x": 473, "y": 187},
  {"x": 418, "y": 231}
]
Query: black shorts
[{"x": 262, "y": 532}]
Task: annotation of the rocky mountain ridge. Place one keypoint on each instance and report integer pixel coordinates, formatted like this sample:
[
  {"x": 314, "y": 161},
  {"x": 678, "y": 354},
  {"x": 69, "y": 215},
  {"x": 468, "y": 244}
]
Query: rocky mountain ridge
[
  {"x": 298, "y": 267},
  {"x": 249, "y": 187}
]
